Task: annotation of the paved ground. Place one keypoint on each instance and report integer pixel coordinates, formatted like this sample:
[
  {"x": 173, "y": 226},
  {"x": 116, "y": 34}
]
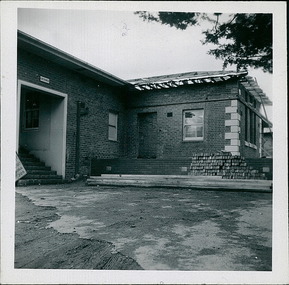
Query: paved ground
[{"x": 149, "y": 228}]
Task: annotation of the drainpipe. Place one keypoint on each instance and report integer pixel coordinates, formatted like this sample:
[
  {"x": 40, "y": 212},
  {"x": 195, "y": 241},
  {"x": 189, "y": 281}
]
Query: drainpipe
[
  {"x": 77, "y": 137},
  {"x": 80, "y": 111}
]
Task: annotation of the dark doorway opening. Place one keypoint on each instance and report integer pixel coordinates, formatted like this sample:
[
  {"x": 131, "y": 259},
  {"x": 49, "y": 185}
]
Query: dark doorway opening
[{"x": 147, "y": 135}]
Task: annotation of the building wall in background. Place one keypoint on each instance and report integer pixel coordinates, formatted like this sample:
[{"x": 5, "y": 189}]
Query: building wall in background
[{"x": 169, "y": 105}]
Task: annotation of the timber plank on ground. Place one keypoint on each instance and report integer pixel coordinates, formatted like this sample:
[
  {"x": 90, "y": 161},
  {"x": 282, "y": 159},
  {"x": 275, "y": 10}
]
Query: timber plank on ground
[{"x": 199, "y": 182}]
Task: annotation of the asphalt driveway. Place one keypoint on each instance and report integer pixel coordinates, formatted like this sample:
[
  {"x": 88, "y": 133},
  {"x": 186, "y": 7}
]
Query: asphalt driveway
[{"x": 171, "y": 229}]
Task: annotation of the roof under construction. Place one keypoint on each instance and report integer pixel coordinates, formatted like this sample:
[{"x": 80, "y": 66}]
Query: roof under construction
[
  {"x": 180, "y": 79},
  {"x": 191, "y": 78},
  {"x": 250, "y": 84}
]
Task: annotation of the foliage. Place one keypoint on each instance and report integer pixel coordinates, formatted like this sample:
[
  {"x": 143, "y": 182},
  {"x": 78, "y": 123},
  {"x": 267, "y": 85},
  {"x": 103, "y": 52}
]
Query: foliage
[{"x": 242, "y": 39}]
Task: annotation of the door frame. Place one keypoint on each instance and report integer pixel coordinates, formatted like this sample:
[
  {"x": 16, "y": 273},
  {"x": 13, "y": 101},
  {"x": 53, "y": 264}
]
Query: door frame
[{"x": 22, "y": 83}]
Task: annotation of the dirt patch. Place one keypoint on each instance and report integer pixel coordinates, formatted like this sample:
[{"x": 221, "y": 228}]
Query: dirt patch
[
  {"x": 158, "y": 228},
  {"x": 49, "y": 249}
]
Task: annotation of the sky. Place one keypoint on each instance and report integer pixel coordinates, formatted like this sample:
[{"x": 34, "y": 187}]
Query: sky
[{"x": 121, "y": 43}]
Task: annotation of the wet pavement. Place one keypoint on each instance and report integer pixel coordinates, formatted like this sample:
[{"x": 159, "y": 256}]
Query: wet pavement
[{"x": 167, "y": 229}]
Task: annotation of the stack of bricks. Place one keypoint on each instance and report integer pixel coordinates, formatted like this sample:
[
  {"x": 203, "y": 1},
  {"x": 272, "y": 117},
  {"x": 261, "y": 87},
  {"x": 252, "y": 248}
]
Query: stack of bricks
[{"x": 226, "y": 165}]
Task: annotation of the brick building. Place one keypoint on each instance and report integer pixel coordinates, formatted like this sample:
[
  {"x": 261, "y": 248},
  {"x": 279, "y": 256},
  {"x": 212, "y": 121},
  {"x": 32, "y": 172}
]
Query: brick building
[
  {"x": 70, "y": 112},
  {"x": 201, "y": 112}
]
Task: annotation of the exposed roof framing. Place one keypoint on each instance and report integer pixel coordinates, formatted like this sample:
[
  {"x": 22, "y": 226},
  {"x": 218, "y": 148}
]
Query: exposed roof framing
[
  {"x": 190, "y": 78},
  {"x": 175, "y": 80},
  {"x": 251, "y": 85}
]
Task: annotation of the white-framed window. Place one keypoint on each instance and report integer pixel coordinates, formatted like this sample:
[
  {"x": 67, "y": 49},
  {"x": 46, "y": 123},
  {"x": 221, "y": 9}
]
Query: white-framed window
[
  {"x": 31, "y": 111},
  {"x": 112, "y": 126},
  {"x": 193, "y": 125}
]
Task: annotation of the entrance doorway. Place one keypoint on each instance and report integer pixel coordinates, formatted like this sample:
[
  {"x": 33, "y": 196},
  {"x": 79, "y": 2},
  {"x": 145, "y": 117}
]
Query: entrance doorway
[
  {"x": 147, "y": 135},
  {"x": 42, "y": 124}
]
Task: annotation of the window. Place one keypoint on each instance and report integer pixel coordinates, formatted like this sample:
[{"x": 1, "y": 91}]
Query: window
[
  {"x": 112, "y": 126},
  {"x": 250, "y": 126},
  {"x": 31, "y": 111},
  {"x": 193, "y": 125}
]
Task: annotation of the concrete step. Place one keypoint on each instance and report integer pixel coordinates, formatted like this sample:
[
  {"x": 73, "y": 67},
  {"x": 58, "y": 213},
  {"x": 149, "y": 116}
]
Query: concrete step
[
  {"x": 37, "y": 168},
  {"x": 37, "y": 172},
  {"x": 198, "y": 182},
  {"x": 26, "y": 182},
  {"x": 25, "y": 155},
  {"x": 32, "y": 163},
  {"x": 41, "y": 172},
  {"x": 42, "y": 176},
  {"x": 28, "y": 158}
]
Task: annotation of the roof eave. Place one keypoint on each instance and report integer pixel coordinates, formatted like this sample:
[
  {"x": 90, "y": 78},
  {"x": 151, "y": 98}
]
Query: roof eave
[{"x": 69, "y": 61}]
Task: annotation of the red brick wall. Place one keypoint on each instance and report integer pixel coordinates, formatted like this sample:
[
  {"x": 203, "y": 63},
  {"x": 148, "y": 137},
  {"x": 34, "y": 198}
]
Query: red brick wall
[
  {"x": 99, "y": 98},
  {"x": 213, "y": 98},
  {"x": 248, "y": 151}
]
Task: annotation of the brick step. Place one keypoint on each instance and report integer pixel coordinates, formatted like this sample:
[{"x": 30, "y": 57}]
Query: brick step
[
  {"x": 28, "y": 159},
  {"x": 33, "y": 163},
  {"x": 37, "y": 172},
  {"x": 25, "y": 155},
  {"x": 41, "y": 172},
  {"x": 37, "y": 167},
  {"x": 26, "y": 182},
  {"x": 42, "y": 176}
]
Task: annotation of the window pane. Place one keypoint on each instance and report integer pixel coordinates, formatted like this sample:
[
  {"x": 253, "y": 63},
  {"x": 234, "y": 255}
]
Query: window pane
[
  {"x": 32, "y": 101},
  {"x": 193, "y": 124},
  {"x": 31, "y": 110},
  {"x": 28, "y": 119},
  {"x": 112, "y": 126},
  {"x": 189, "y": 121},
  {"x": 112, "y": 133},
  {"x": 200, "y": 132},
  {"x": 112, "y": 119},
  {"x": 190, "y": 132},
  {"x": 189, "y": 114}
]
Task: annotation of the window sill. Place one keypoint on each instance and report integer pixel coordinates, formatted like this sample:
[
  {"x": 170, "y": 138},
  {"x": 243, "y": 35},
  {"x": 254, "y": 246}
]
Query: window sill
[
  {"x": 248, "y": 144},
  {"x": 194, "y": 140}
]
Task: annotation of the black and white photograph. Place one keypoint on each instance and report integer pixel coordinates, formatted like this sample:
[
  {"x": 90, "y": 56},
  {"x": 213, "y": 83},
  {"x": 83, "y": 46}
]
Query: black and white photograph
[{"x": 144, "y": 142}]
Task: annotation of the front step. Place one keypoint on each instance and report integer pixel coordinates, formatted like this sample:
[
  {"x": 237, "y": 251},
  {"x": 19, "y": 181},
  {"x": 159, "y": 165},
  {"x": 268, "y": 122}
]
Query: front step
[
  {"x": 41, "y": 176},
  {"x": 41, "y": 172},
  {"x": 37, "y": 167},
  {"x": 37, "y": 172},
  {"x": 181, "y": 181},
  {"x": 26, "y": 182}
]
